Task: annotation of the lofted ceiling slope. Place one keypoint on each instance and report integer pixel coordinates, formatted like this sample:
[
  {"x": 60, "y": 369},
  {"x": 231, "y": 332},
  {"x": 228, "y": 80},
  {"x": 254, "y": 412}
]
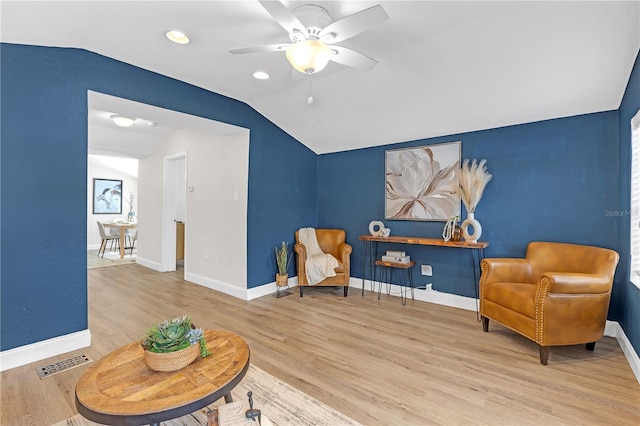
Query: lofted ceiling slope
[{"x": 445, "y": 67}]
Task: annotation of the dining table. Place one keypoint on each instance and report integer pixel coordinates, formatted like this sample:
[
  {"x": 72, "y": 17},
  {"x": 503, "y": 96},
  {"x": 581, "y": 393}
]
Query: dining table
[{"x": 122, "y": 226}]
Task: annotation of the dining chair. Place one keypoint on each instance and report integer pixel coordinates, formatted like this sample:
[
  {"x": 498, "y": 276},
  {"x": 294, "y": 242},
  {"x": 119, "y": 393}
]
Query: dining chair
[
  {"x": 116, "y": 233},
  {"x": 105, "y": 238},
  {"x": 133, "y": 238}
]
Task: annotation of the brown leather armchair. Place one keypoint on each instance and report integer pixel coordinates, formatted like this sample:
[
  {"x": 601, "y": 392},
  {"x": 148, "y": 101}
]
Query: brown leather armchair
[
  {"x": 558, "y": 295},
  {"x": 331, "y": 241}
]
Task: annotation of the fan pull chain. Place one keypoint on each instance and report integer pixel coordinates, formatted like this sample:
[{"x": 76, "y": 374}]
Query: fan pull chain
[{"x": 310, "y": 98}]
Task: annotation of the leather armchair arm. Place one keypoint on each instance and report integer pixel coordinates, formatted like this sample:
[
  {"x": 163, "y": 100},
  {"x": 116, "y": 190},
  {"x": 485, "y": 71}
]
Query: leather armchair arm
[
  {"x": 575, "y": 283},
  {"x": 505, "y": 270},
  {"x": 300, "y": 249},
  {"x": 301, "y": 257},
  {"x": 345, "y": 250}
]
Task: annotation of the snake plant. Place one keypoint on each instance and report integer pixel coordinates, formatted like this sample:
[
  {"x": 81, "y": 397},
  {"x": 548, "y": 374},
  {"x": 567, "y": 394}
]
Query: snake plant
[{"x": 281, "y": 258}]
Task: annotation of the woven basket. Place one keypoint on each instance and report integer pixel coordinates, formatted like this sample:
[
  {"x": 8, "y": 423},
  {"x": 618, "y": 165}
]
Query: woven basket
[
  {"x": 172, "y": 361},
  {"x": 282, "y": 280}
]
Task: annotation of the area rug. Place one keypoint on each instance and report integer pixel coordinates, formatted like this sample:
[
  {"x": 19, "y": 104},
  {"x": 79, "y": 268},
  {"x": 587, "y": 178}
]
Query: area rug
[
  {"x": 283, "y": 404},
  {"x": 110, "y": 259},
  {"x": 116, "y": 255}
]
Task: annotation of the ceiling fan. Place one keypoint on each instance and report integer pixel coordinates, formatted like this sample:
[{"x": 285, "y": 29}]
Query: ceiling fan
[{"x": 313, "y": 33}]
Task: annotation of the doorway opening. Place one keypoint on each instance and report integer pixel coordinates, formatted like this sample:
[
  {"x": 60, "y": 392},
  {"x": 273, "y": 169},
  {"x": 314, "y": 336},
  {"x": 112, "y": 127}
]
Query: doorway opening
[{"x": 174, "y": 211}]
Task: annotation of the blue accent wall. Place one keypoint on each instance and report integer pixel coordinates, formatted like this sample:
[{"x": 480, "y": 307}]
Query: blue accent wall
[
  {"x": 627, "y": 294},
  {"x": 552, "y": 181},
  {"x": 44, "y": 173}
]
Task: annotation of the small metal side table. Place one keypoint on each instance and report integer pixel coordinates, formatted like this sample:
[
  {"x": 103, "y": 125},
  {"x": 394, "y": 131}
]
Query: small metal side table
[{"x": 387, "y": 272}]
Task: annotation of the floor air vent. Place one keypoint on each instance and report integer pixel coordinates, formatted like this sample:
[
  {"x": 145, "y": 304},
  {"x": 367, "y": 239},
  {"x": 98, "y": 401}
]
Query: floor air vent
[{"x": 65, "y": 364}]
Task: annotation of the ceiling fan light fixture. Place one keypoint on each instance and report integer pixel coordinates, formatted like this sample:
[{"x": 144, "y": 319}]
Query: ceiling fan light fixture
[
  {"x": 122, "y": 121},
  {"x": 309, "y": 56},
  {"x": 177, "y": 37}
]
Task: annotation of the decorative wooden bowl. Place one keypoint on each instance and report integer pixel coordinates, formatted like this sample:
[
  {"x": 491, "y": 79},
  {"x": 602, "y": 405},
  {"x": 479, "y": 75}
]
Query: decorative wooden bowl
[{"x": 172, "y": 361}]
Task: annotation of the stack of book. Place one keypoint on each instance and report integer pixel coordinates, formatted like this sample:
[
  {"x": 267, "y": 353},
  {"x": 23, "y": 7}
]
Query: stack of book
[{"x": 396, "y": 256}]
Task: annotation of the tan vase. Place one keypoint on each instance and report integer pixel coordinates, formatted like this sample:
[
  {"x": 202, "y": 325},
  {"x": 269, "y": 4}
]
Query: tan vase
[
  {"x": 282, "y": 280},
  {"x": 172, "y": 361}
]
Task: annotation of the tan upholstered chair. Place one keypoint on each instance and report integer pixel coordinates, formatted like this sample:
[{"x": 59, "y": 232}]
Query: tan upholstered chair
[
  {"x": 558, "y": 295},
  {"x": 331, "y": 241}
]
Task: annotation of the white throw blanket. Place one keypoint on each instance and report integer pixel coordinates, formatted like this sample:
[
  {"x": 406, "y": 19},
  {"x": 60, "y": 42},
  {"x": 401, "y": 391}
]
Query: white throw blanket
[{"x": 319, "y": 265}]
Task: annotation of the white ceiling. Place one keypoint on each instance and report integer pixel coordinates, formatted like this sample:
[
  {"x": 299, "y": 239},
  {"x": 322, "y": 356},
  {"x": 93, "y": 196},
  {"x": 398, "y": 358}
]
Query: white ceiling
[
  {"x": 444, "y": 67},
  {"x": 152, "y": 125}
]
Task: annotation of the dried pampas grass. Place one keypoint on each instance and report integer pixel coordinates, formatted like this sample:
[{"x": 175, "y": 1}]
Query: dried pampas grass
[{"x": 473, "y": 180}]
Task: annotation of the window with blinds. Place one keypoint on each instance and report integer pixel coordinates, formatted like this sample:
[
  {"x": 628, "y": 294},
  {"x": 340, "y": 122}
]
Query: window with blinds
[{"x": 634, "y": 215}]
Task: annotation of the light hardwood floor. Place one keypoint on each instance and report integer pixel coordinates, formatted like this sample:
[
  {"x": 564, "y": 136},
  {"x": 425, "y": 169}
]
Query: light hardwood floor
[{"x": 378, "y": 362}]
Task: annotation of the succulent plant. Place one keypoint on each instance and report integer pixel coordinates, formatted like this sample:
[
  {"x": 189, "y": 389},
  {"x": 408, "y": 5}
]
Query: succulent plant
[{"x": 175, "y": 335}]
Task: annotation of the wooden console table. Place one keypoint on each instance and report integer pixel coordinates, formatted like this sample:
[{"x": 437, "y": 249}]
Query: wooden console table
[
  {"x": 120, "y": 389},
  {"x": 369, "y": 250}
]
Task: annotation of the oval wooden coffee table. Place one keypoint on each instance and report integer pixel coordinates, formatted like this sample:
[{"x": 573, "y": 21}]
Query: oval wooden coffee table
[{"x": 120, "y": 389}]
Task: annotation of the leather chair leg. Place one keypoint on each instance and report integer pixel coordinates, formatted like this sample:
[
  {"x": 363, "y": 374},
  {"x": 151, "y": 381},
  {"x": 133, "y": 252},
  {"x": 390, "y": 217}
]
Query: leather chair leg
[
  {"x": 300, "y": 287},
  {"x": 346, "y": 290},
  {"x": 544, "y": 354},
  {"x": 485, "y": 324},
  {"x": 590, "y": 346}
]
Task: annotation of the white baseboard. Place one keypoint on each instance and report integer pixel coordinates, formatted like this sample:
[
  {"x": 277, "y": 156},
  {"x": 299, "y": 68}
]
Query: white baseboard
[
  {"x": 613, "y": 329},
  {"x": 431, "y": 296},
  {"x": 240, "y": 293},
  {"x": 156, "y": 266},
  {"x": 33, "y": 352},
  {"x": 93, "y": 247},
  {"x": 270, "y": 288},
  {"x": 226, "y": 288}
]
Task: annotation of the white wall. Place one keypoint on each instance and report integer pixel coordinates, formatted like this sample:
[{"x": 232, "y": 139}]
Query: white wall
[
  {"x": 218, "y": 169},
  {"x": 97, "y": 167}
]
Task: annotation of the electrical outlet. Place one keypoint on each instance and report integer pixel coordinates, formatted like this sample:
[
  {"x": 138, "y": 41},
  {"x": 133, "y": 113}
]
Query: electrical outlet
[{"x": 427, "y": 270}]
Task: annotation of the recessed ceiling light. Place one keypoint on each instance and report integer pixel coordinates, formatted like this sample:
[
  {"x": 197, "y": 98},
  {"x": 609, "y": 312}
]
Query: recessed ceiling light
[
  {"x": 122, "y": 121},
  {"x": 178, "y": 37},
  {"x": 261, "y": 75}
]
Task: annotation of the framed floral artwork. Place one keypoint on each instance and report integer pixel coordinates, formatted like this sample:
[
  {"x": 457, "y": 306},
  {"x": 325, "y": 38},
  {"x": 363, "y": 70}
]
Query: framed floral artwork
[
  {"x": 107, "y": 196},
  {"x": 422, "y": 182}
]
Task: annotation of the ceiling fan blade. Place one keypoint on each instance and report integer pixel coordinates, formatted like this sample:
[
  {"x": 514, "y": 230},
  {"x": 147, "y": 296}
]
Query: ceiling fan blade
[
  {"x": 351, "y": 58},
  {"x": 353, "y": 25},
  {"x": 283, "y": 16},
  {"x": 260, "y": 49}
]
